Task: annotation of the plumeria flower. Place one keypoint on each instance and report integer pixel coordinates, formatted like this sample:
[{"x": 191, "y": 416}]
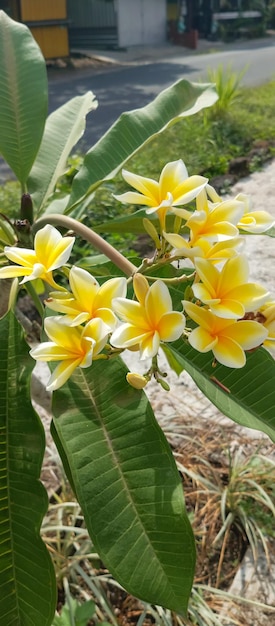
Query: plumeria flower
[
  {"x": 266, "y": 316},
  {"x": 51, "y": 251},
  {"x": 217, "y": 252},
  {"x": 173, "y": 189},
  {"x": 254, "y": 222},
  {"x": 228, "y": 292},
  {"x": 147, "y": 321},
  {"x": 212, "y": 221},
  {"x": 73, "y": 347},
  {"x": 227, "y": 338},
  {"x": 88, "y": 299}
]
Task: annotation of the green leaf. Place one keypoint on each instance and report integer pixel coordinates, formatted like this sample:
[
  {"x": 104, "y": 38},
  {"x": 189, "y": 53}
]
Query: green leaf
[
  {"x": 246, "y": 395},
  {"x": 23, "y": 96},
  {"x": 133, "y": 130},
  {"x": 84, "y": 612},
  {"x": 132, "y": 223},
  {"x": 27, "y": 580},
  {"x": 63, "y": 129},
  {"x": 127, "y": 484}
]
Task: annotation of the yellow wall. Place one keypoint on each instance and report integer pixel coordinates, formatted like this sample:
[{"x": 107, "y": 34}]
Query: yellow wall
[
  {"x": 34, "y": 10},
  {"x": 53, "y": 40}
]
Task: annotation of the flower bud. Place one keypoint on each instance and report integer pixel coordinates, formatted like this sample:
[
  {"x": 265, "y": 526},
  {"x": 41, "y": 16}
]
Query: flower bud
[
  {"x": 152, "y": 232},
  {"x": 141, "y": 287},
  {"x": 163, "y": 384},
  {"x": 136, "y": 380}
]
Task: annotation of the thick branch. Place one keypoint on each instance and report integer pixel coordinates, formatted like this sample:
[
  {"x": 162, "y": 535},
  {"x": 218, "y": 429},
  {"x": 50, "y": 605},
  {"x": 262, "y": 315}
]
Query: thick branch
[{"x": 89, "y": 235}]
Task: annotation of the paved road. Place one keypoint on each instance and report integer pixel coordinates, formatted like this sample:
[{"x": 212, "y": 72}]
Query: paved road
[
  {"x": 120, "y": 88},
  {"x": 125, "y": 88}
]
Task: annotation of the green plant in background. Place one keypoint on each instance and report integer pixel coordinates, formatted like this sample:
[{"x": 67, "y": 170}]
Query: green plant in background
[
  {"x": 228, "y": 88},
  {"x": 115, "y": 455},
  {"x": 75, "y": 614},
  {"x": 243, "y": 499}
]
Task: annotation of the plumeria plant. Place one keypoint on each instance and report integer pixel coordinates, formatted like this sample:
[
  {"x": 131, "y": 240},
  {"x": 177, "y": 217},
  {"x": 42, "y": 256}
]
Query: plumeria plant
[{"x": 191, "y": 299}]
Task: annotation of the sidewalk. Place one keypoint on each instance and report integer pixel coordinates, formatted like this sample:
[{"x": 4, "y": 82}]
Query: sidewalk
[{"x": 138, "y": 55}]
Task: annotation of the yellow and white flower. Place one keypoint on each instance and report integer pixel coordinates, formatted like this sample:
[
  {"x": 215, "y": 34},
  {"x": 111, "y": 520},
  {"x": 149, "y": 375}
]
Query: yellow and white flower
[
  {"x": 214, "y": 252},
  {"x": 73, "y": 347},
  {"x": 227, "y": 292},
  {"x": 173, "y": 189},
  {"x": 51, "y": 251},
  {"x": 254, "y": 222},
  {"x": 148, "y": 321},
  {"x": 88, "y": 299},
  {"x": 212, "y": 221},
  {"x": 267, "y": 318},
  {"x": 226, "y": 338}
]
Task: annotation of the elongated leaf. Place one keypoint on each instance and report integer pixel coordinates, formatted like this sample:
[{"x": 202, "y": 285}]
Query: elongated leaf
[
  {"x": 23, "y": 96},
  {"x": 132, "y": 223},
  {"x": 27, "y": 581},
  {"x": 134, "y": 129},
  {"x": 63, "y": 129},
  {"x": 127, "y": 484},
  {"x": 245, "y": 395}
]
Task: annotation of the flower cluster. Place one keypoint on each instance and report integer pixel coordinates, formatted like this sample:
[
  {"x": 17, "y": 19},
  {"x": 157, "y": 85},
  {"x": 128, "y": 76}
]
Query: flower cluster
[
  {"x": 231, "y": 314},
  {"x": 226, "y": 314}
]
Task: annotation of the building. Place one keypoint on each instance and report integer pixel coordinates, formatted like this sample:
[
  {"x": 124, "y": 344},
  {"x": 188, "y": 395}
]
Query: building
[
  {"x": 116, "y": 23},
  {"x": 47, "y": 21}
]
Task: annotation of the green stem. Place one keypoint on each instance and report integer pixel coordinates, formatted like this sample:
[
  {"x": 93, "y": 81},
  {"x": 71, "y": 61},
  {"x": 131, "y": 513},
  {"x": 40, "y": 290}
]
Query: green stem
[
  {"x": 172, "y": 281},
  {"x": 89, "y": 235},
  {"x": 36, "y": 300}
]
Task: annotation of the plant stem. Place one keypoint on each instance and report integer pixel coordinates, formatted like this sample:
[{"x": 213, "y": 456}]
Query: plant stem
[{"x": 89, "y": 235}]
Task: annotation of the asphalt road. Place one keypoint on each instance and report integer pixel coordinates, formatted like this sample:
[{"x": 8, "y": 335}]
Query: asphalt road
[{"x": 125, "y": 88}]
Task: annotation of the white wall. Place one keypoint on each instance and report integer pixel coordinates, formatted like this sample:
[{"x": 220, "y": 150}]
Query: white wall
[{"x": 141, "y": 22}]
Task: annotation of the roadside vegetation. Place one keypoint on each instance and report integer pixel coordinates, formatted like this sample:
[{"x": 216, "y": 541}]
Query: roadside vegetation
[
  {"x": 229, "y": 492},
  {"x": 226, "y": 142}
]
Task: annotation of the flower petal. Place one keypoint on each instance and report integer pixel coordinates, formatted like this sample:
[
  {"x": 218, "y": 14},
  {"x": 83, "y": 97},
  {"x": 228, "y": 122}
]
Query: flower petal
[
  {"x": 227, "y": 308},
  {"x": 131, "y": 197},
  {"x": 130, "y": 311},
  {"x": 147, "y": 186},
  {"x": 208, "y": 274},
  {"x": 201, "y": 292},
  {"x": 149, "y": 346},
  {"x": 172, "y": 175},
  {"x": 61, "y": 374},
  {"x": 50, "y": 351},
  {"x": 22, "y": 256},
  {"x": 84, "y": 287},
  {"x": 248, "y": 333},
  {"x": 189, "y": 189},
  {"x": 251, "y": 295},
  {"x": 12, "y": 271},
  {"x": 128, "y": 335},
  {"x": 158, "y": 302},
  {"x": 113, "y": 288},
  {"x": 171, "y": 326},
  {"x": 201, "y": 340},
  {"x": 235, "y": 272},
  {"x": 51, "y": 249},
  {"x": 64, "y": 336},
  {"x": 229, "y": 353},
  {"x": 256, "y": 222}
]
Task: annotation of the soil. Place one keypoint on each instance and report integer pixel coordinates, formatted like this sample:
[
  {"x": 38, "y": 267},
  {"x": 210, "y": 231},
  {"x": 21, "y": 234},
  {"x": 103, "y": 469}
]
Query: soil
[{"x": 77, "y": 61}]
